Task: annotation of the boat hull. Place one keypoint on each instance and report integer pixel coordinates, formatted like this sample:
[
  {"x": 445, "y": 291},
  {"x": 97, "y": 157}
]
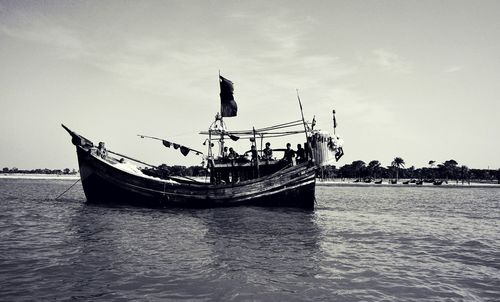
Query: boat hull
[{"x": 104, "y": 183}]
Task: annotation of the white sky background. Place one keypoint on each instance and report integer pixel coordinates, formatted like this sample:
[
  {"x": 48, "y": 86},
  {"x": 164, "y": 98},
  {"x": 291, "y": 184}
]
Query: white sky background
[{"x": 415, "y": 79}]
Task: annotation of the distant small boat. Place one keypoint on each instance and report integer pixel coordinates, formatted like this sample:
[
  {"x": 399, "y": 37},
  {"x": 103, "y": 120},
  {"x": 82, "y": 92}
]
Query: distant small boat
[
  {"x": 406, "y": 182},
  {"x": 413, "y": 181},
  {"x": 378, "y": 182},
  {"x": 367, "y": 180},
  {"x": 393, "y": 181},
  {"x": 437, "y": 182},
  {"x": 357, "y": 180},
  {"x": 419, "y": 182}
]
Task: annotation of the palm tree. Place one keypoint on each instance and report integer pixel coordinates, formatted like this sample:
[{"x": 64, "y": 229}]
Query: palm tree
[
  {"x": 374, "y": 165},
  {"x": 397, "y": 163},
  {"x": 432, "y": 163}
]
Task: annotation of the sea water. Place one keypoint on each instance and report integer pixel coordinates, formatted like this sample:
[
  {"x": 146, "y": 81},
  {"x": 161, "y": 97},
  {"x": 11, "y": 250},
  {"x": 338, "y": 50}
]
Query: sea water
[{"x": 360, "y": 243}]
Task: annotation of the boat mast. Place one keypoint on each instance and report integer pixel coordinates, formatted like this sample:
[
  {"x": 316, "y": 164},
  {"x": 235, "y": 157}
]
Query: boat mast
[
  {"x": 221, "y": 150},
  {"x": 302, "y": 113}
]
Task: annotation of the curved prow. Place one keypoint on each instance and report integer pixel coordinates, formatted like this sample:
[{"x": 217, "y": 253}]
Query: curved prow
[{"x": 77, "y": 139}]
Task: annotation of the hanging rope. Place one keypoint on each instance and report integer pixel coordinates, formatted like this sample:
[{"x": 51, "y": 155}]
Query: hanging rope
[{"x": 68, "y": 189}]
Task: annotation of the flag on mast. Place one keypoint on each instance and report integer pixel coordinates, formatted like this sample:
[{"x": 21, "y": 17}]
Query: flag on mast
[
  {"x": 228, "y": 106},
  {"x": 334, "y": 120}
]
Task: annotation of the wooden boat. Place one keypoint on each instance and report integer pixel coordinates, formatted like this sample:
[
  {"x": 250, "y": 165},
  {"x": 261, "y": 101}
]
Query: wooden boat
[
  {"x": 419, "y": 182},
  {"x": 378, "y": 182},
  {"x": 406, "y": 182},
  {"x": 393, "y": 181},
  {"x": 110, "y": 181},
  {"x": 233, "y": 181},
  {"x": 437, "y": 182}
]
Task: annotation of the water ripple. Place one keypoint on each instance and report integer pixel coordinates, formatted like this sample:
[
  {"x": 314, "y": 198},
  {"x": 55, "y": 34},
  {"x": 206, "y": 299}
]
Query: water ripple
[{"x": 361, "y": 243}]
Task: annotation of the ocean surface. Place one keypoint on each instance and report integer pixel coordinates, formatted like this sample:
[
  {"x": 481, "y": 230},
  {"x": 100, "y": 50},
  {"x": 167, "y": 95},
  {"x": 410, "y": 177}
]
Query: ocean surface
[{"x": 361, "y": 243}]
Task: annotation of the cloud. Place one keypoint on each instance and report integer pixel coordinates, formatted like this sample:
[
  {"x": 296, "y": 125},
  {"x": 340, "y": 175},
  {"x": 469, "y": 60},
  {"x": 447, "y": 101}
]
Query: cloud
[
  {"x": 455, "y": 68},
  {"x": 390, "y": 61},
  {"x": 271, "y": 60},
  {"x": 38, "y": 29}
]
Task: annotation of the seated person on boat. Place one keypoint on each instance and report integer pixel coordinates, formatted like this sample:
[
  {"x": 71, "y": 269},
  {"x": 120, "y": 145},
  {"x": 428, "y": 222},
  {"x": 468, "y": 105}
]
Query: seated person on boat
[
  {"x": 232, "y": 155},
  {"x": 101, "y": 151},
  {"x": 268, "y": 152}
]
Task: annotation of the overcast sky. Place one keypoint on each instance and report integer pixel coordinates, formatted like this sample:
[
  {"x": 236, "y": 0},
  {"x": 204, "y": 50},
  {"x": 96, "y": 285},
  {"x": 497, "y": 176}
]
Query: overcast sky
[{"x": 415, "y": 79}]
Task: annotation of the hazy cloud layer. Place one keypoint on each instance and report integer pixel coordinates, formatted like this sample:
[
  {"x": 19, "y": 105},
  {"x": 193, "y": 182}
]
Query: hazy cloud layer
[{"x": 395, "y": 72}]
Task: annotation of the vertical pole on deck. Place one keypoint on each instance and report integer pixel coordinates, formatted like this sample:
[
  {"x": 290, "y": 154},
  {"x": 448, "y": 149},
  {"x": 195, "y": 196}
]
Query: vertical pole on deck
[
  {"x": 256, "y": 158},
  {"x": 334, "y": 122},
  {"x": 221, "y": 145},
  {"x": 261, "y": 141}
]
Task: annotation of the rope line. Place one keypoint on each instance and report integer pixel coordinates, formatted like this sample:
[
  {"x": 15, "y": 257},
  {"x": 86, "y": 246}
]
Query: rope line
[{"x": 68, "y": 189}]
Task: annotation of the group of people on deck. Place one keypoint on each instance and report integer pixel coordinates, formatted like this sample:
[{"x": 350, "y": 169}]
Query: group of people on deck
[{"x": 300, "y": 155}]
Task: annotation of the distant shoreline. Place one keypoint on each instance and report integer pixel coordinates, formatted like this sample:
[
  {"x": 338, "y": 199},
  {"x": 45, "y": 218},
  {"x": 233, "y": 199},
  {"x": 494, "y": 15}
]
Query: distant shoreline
[
  {"x": 451, "y": 184},
  {"x": 319, "y": 182},
  {"x": 39, "y": 176}
]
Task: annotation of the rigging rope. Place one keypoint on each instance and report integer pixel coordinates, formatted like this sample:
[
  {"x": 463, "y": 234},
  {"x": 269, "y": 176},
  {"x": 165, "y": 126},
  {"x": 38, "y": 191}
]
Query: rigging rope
[
  {"x": 68, "y": 189},
  {"x": 261, "y": 131}
]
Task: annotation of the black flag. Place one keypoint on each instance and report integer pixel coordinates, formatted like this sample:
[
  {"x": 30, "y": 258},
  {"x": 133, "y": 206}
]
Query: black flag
[
  {"x": 227, "y": 104},
  {"x": 334, "y": 120}
]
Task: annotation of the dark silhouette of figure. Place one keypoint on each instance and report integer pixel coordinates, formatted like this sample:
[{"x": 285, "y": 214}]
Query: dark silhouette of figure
[
  {"x": 300, "y": 154},
  {"x": 232, "y": 154},
  {"x": 308, "y": 151},
  {"x": 253, "y": 152},
  {"x": 289, "y": 154}
]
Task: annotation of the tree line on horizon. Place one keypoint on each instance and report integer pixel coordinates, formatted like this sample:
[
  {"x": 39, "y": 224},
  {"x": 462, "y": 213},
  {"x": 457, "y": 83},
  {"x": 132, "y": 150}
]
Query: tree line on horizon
[
  {"x": 448, "y": 170},
  {"x": 358, "y": 169},
  {"x": 13, "y": 170}
]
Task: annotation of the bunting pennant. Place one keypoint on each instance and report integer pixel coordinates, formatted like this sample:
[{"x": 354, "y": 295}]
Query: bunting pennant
[
  {"x": 233, "y": 137},
  {"x": 184, "y": 150}
]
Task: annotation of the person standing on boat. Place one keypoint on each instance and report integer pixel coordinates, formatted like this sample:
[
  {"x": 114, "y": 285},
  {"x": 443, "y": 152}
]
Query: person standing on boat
[
  {"x": 289, "y": 154},
  {"x": 254, "y": 155},
  {"x": 300, "y": 154},
  {"x": 268, "y": 152},
  {"x": 253, "y": 152},
  {"x": 308, "y": 151},
  {"x": 225, "y": 153},
  {"x": 101, "y": 150}
]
